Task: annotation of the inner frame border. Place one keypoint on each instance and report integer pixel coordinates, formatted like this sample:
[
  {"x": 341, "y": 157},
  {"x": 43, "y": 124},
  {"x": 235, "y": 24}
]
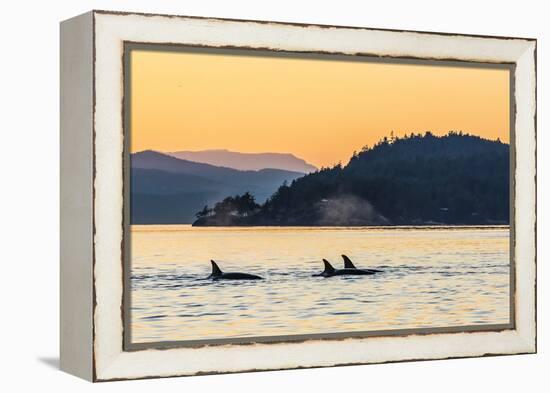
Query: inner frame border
[{"x": 129, "y": 46}]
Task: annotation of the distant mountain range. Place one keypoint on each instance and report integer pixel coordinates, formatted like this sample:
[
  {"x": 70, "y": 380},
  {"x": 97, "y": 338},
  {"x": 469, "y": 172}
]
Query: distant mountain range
[
  {"x": 169, "y": 190},
  {"x": 247, "y": 161}
]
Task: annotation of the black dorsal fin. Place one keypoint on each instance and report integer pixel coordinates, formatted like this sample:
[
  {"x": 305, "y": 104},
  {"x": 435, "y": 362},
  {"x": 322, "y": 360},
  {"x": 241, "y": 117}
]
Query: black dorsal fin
[
  {"x": 328, "y": 267},
  {"x": 348, "y": 264},
  {"x": 216, "y": 271}
]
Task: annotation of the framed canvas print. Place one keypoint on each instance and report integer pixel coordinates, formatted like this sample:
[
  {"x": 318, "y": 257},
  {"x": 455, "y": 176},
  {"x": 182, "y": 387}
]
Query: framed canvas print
[{"x": 246, "y": 195}]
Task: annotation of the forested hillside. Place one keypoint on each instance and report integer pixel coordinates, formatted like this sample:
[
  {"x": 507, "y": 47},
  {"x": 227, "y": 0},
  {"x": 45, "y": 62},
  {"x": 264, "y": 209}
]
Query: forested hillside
[{"x": 415, "y": 180}]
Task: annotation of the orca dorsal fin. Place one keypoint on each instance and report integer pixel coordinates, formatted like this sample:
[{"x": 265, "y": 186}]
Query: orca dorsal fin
[
  {"x": 216, "y": 271},
  {"x": 348, "y": 264},
  {"x": 328, "y": 267}
]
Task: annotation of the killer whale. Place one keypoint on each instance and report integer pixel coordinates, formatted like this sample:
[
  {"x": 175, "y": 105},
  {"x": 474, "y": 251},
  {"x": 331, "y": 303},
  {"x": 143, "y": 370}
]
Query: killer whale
[
  {"x": 348, "y": 264},
  {"x": 217, "y": 274},
  {"x": 331, "y": 271}
]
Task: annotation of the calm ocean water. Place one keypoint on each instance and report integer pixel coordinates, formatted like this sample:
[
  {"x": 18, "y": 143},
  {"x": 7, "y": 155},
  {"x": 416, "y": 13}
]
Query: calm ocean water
[{"x": 432, "y": 277}]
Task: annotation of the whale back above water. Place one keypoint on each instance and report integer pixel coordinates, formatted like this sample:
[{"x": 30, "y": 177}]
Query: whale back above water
[
  {"x": 348, "y": 264},
  {"x": 217, "y": 274},
  {"x": 330, "y": 271}
]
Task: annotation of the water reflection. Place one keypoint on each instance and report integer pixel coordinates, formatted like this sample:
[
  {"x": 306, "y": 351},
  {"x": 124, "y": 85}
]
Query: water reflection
[{"x": 432, "y": 277}]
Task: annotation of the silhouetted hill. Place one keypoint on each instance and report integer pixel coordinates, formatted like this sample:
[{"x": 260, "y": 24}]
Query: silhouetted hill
[
  {"x": 161, "y": 184},
  {"x": 247, "y": 161},
  {"x": 154, "y": 181},
  {"x": 416, "y": 180}
]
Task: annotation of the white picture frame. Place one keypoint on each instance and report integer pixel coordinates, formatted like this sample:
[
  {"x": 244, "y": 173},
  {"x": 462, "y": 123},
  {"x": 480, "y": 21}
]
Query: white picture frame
[{"x": 92, "y": 195}]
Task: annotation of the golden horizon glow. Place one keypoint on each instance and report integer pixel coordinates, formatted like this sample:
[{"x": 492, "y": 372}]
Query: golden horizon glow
[{"x": 319, "y": 110}]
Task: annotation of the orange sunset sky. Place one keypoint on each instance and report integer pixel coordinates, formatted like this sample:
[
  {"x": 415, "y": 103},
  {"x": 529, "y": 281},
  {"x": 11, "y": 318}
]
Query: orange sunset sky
[{"x": 319, "y": 110}]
